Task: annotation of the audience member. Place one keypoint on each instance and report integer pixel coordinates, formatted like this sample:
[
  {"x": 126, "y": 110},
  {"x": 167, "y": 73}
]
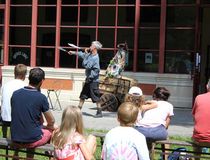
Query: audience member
[
  {"x": 155, "y": 122},
  {"x": 201, "y": 114},
  {"x": 135, "y": 95},
  {"x": 7, "y": 90},
  {"x": 28, "y": 105},
  {"x": 68, "y": 139},
  {"x": 124, "y": 142}
]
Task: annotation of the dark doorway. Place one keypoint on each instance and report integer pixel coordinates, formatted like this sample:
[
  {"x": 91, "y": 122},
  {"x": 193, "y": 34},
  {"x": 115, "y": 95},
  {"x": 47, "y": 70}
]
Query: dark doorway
[{"x": 205, "y": 48}]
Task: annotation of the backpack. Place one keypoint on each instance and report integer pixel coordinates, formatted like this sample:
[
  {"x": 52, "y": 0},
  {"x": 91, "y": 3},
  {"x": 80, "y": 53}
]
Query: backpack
[{"x": 178, "y": 154}]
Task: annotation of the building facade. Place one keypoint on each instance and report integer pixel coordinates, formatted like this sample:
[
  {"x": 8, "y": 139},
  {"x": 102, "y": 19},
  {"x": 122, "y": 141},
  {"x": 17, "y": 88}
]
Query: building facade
[{"x": 168, "y": 40}]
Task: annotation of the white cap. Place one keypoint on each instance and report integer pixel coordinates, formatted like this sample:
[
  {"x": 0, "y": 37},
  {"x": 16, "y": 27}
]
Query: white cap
[
  {"x": 135, "y": 91},
  {"x": 97, "y": 44}
]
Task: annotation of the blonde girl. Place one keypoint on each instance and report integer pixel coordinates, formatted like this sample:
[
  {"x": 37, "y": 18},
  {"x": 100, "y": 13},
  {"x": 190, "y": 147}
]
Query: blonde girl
[{"x": 68, "y": 139}]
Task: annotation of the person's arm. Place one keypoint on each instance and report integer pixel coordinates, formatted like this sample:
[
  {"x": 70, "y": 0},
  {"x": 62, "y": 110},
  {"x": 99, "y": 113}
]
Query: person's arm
[
  {"x": 149, "y": 105},
  {"x": 50, "y": 120},
  {"x": 86, "y": 151},
  {"x": 80, "y": 53},
  {"x": 168, "y": 120},
  {"x": 194, "y": 107},
  {"x": 141, "y": 147}
]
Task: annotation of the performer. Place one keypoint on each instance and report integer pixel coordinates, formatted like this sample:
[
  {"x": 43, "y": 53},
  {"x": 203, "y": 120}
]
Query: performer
[
  {"x": 92, "y": 68},
  {"x": 117, "y": 64}
]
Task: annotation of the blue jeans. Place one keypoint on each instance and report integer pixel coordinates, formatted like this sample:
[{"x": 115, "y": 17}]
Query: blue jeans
[{"x": 153, "y": 133}]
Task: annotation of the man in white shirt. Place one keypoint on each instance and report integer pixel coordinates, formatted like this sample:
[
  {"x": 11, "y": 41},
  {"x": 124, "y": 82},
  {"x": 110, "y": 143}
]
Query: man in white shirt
[{"x": 7, "y": 90}]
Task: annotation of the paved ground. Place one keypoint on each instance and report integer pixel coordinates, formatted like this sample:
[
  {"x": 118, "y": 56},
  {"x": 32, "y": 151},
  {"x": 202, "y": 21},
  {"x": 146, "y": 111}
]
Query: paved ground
[{"x": 181, "y": 124}]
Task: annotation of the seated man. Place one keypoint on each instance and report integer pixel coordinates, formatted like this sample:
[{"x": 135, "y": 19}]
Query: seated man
[
  {"x": 7, "y": 90},
  {"x": 201, "y": 114},
  {"x": 28, "y": 104}
]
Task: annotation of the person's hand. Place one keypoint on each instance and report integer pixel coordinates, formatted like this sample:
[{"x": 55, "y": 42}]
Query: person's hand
[
  {"x": 50, "y": 127},
  {"x": 87, "y": 50},
  {"x": 70, "y": 52}
]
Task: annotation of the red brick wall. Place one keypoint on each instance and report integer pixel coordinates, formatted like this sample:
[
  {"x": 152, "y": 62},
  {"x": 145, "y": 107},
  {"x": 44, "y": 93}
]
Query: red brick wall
[{"x": 147, "y": 88}]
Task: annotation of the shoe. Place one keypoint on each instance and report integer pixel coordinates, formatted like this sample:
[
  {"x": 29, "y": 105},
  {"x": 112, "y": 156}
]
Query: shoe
[{"x": 98, "y": 114}]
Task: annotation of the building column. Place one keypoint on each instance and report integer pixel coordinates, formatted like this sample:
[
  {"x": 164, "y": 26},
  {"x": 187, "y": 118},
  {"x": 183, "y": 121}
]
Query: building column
[
  {"x": 57, "y": 40},
  {"x": 6, "y": 32},
  {"x": 162, "y": 36},
  {"x": 136, "y": 31},
  {"x": 34, "y": 33}
]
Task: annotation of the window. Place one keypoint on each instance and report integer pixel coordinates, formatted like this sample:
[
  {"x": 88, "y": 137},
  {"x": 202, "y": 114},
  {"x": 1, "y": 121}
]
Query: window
[
  {"x": 177, "y": 39},
  {"x": 181, "y": 16},
  {"x": 148, "y": 61},
  {"x": 87, "y": 16},
  {"x": 179, "y": 62},
  {"x": 149, "y": 35},
  {"x": 19, "y": 55},
  {"x": 107, "y": 2},
  {"x": 150, "y": 1},
  {"x": 48, "y": 1},
  {"x": 108, "y": 28},
  {"x": 109, "y": 21},
  {"x": 181, "y": 1},
  {"x": 149, "y": 38},
  {"x": 150, "y": 16},
  {"x": 69, "y": 15},
  {"x": 45, "y": 51},
  {"x": 129, "y": 13},
  {"x": 126, "y": 35},
  {"x": 20, "y": 32},
  {"x": 21, "y": 2},
  {"x": 106, "y": 19},
  {"x": 2, "y": 1},
  {"x": 180, "y": 37},
  {"x": 86, "y": 35},
  {"x": 46, "y": 36},
  {"x": 45, "y": 57},
  {"x": 47, "y": 15},
  {"x": 127, "y": 2},
  {"x": 68, "y": 35},
  {"x": 20, "y": 36},
  {"x": 205, "y": 1},
  {"x": 108, "y": 40},
  {"x": 18, "y": 15}
]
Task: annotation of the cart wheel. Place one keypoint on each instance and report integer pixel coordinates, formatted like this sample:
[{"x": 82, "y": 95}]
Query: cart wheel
[{"x": 109, "y": 102}]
